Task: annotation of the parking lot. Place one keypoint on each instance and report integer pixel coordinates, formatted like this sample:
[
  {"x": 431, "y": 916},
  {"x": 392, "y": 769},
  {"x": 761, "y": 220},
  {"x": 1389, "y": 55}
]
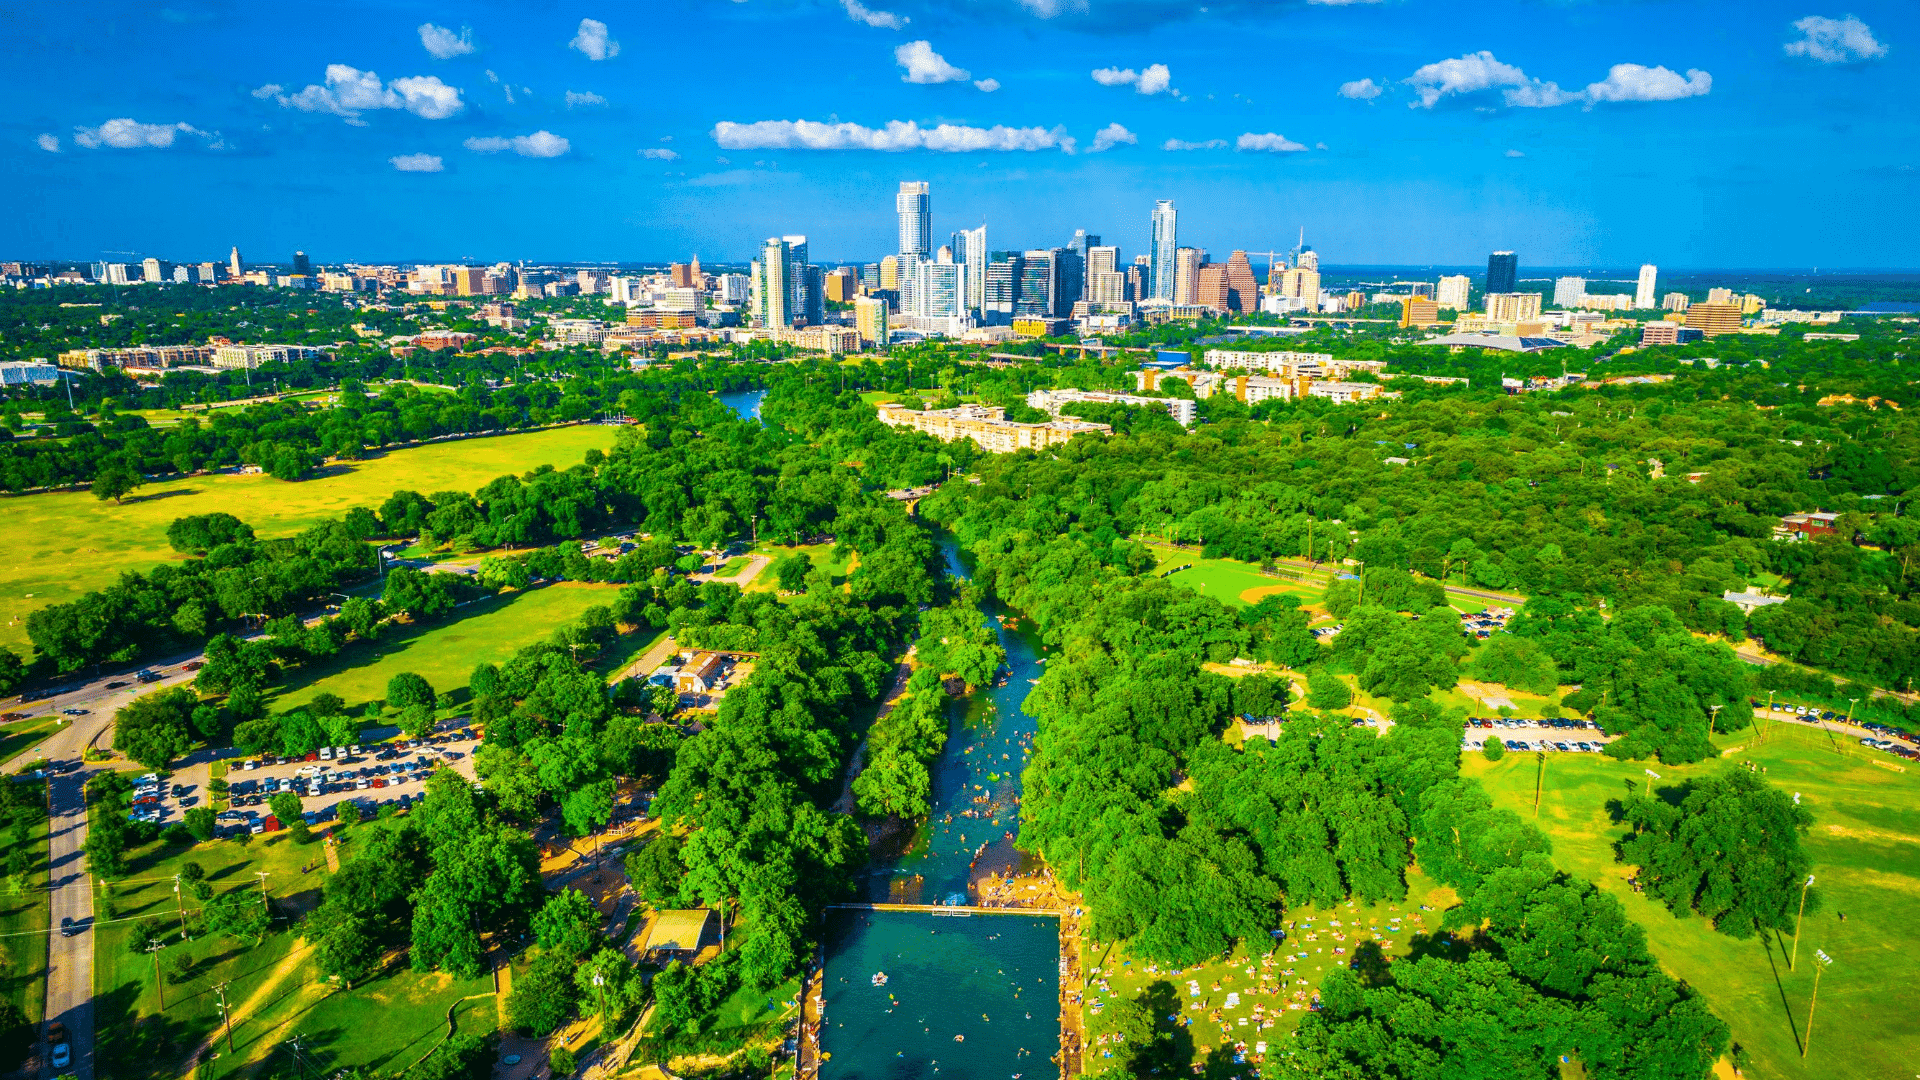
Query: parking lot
[
  {"x": 1547, "y": 735},
  {"x": 389, "y": 772}
]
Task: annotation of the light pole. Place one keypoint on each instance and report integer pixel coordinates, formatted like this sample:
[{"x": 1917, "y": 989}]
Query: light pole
[
  {"x": 1713, "y": 721},
  {"x": 1539, "y": 779},
  {"x": 1851, "y": 702},
  {"x": 1769, "y": 708},
  {"x": 1651, "y": 777},
  {"x": 1822, "y": 961},
  {"x": 1804, "y": 886}
]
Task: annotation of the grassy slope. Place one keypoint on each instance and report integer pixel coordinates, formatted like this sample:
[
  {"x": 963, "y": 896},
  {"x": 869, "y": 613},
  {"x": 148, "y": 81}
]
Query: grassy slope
[
  {"x": 1866, "y": 850},
  {"x": 59, "y": 545},
  {"x": 445, "y": 653}
]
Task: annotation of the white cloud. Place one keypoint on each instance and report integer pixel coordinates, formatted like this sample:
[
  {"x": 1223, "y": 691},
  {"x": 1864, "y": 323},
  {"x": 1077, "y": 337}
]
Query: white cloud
[
  {"x": 49, "y": 143},
  {"x": 1270, "y": 143},
  {"x": 885, "y": 20},
  {"x": 1477, "y": 72},
  {"x": 444, "y": 44},
  {"x": 1182, "y": 144},
  {"x": 272, "y": 89},
  {"x": 540, "y": 144},
  {"x": 427, "y": 97},
  {"x": 1361, "y": 90},
  {"x": 1319, "y": 146},
  {"x": 1634, "y": 82},
  {"x": 897, "y": 135},
  {"x": 923, "y": 65},
  {"x": 1835, "y": 41},
  {"x": 1156, "y": 79},
  {"x": 1515, "y": 153},
  {"x": 577, "y": 98},
  {"x": 349, "y": 92},
  {"x": 417, "y": 163},
  {"x": 656, "y": 153},
  {"x": 1047, "y": 9},
  {"x": 124, "y": 134},
  {"x": 592, "y": 41},
  {"x": 986, "y": 86},
  {"x": 1111, "y": 136}
]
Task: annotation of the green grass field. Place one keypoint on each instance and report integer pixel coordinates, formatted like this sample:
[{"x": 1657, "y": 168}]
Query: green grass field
[
  {"x": 445, "y": 653},
  {"x": 18, "y": 738},
  {"x": 1230, "y": 581},
  {"x": 24, "y": 921},
  {"x": 386, "y": 1023},
  {"x": 821, "y": 554},
  {"x": 1865, "y": 845},
  {"x": 59, "y": 545}
]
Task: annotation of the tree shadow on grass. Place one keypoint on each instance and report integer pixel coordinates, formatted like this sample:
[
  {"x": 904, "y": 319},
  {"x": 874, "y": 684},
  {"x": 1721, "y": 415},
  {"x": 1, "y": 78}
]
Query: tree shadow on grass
[
  {"x": 393, "y": 641},
  {"x": 156, "y": 496},
  {"x": 136, "y": 1046}
]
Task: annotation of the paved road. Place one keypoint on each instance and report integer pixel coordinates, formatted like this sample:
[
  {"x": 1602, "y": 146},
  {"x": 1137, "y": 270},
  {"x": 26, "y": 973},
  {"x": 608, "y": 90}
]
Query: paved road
[{"x": 70, "y": 959}]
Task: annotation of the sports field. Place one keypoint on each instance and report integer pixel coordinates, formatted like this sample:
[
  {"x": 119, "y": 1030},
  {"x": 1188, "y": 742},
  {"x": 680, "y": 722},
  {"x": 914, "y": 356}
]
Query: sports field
[
  {"x": 58, "y": 545},
  {"x": 1865, "y": 845},
  {"x": 445, "y": 652},
  {"x": 1232, "y": 582}
]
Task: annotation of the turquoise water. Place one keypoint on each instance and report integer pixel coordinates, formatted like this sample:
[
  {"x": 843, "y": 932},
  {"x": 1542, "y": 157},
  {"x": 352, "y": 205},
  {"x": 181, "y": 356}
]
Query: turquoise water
[
  {"x": 992, "y": 980},
  {"x": 975, "y": 784},
  {"x": 744, "y": 402}
]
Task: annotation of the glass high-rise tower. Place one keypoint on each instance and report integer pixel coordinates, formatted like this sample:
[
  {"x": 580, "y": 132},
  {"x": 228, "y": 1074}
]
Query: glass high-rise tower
[
  {"x": 1160, "y": 264},
  {"x": 1503, "y": 272},
  {"x": 914, "y": 204}
]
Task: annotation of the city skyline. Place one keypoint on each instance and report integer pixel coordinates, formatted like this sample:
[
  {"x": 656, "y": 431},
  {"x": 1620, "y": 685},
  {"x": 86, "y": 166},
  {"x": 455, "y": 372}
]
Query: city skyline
[{"x": 1397, "y": 134}]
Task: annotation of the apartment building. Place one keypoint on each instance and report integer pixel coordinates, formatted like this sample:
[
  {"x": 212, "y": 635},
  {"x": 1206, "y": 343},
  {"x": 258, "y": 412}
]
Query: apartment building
[
  {"x": 988, "y": 427},
  {"x": 1051, "y": 401}
]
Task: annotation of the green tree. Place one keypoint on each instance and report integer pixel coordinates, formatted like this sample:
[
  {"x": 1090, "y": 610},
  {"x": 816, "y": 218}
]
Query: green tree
[
  {"x": 568, "y": 923},
  {"x": 792, "y": 571},
  {"x": 155, "y": 729},
  {"x": 1327, "y": 692},
  {"x": 115, "y": 481},
  {"x": 406, "y": 689},
  {"x": 1493, "y": 749},
  {"x": 200, "y": 823},
  {"x": 1730, "y": 851}
]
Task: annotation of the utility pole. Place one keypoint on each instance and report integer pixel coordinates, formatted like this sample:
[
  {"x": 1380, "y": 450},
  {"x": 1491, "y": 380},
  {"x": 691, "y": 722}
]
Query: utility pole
[
  {"x": 1651, "y": 777},
  {"x": 1769, "y": 709},
  {"x": 262, "y": 875},
  {"x": 180, "y": 905},
  {"x": 1539, "y": 780},
  {"x": 299, "y": 1067},
  {"x": 1713, "y": 721},
  {"x": 1822, "y": 961},
  {"x": 225, "y": 1016},
  {"x": 1851, "y": 702},
  {"x": 159, "y": 984},
  {"x": 1804, "y": 886}
]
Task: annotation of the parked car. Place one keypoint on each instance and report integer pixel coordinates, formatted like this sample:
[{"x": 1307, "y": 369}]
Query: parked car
[
  {"x": 66, "y": 926},
  {"x": 62, "y": 1055}
]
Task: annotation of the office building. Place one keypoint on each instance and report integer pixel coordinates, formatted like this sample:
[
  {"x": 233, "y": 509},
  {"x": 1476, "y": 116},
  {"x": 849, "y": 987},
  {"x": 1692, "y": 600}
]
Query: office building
[
  {"x": 1643, "y": 289},
  {"x": 1036, "y": 294},
  {"x": 781, "y": 297},
  {"x": 1720, "y": 296},
  {"x": 1668, "y": 333},
  {"x": 1186, "y": 275},
  {"x": 234, "y": 266},
  {"x": 1160, "y": 265},
  {"x": 1070, "y": 268},
  {"x": 1052, "y": 401},
  {"x": 1751, "y": 304},
  {"x": 1211, "y": 292},
  {"x": 939, "y": 291},
  {"x": 300, "y": 263},
  {"x": 1675, "y": 301},
  {"x": 1299, "y": 284},
  {"x": 1569, "y": 292},
  {"x": 1714, "y": 318},
  {"x": 1418, "y": 311},
  {"x": 1243, "y": 293},
  {"x": 1454, "y": 292},
  {"x": 471, "y": 281},
  {"x": 988, "y": 427},
  {"x": 970, "y": 251},
  {"x": 870, "y": 320},
  {"x": 1503, "y": 272},
  {"x": 152, "y": 272},
  {"x": 914, "y": 204},
  {"x": 1002, "y": 286},
  {"x": 1513, "y": 307},
  {"x": 841, "y": 285}
]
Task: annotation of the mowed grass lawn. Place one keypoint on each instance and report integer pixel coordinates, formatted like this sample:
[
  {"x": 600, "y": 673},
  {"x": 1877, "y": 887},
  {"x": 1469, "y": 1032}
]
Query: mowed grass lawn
[
  {"x": 445, "y": 652},
  {"x": 1230, "y": 581},
  {"x": 56, "y": 546},
  {"x": 1865, "y": 845},
  {"x": 24, "y": 920},
  {"x": 274, "y": 988}
]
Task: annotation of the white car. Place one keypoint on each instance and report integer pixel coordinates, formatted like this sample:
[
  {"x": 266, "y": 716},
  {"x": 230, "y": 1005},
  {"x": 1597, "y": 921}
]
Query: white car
[
  {"x": 251, "y": 765},
  {"x": 326, "y": 753},
  {"x": 308, "y": 770}
]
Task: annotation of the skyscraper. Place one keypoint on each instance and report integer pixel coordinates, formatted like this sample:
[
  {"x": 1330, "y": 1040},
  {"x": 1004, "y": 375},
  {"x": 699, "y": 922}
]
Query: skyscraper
[
  {"x": 970, "y": 251},
  {"x": 1643, "y": 292},
  {"x": 914, "y": 204},
  {"x": 1186, "y": 275},
  {"x": 783, "y": 295},
  {"x": 1160, "y": 266},
  {"x": 1243, "y": 295},
  {"x": 1003, "y": 284},
  {"x": 1454, "y": 292},
  {"x": 1503, "y": 272},
  {"x": 1037, "y": 289},
  {"x": 300, "y": 263},
  {"x": 233, "y": 262},
  {"x": 1072, "y": 267},
  {"x": 1569, "y": 292}
]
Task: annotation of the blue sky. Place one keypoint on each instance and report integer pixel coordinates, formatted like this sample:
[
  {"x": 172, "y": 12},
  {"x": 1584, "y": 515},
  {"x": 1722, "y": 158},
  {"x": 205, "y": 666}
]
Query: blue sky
[{"x": 1699, "y": 134}]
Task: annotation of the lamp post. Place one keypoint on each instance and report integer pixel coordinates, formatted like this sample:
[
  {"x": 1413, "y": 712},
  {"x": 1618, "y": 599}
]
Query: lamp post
[
  {"x": 1713, "y": 721},
  {"x": 1822, "y": 960},
  {"x": 1804, "y": 886},
  {"x": 1851, "y": 702},
  {"x": 600, "y": 985}
]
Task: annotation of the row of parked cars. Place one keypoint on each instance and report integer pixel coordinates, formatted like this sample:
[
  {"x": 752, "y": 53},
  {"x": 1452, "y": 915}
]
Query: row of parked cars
[
  {"x": 1890, "y": 739},
  {"x": 150, "y": 795},
  {"x": 1542, "y": 745},
  {"x": 1565, "y": 722}
]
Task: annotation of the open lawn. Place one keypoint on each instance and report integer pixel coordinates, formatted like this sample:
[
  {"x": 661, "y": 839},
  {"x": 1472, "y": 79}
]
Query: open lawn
[
  {"x": 445, "y": 652},
  {"x": 274, "y": 988},
  {"x": 24, "y": 920},
  {"x": 59, "y": 545},
  {"x": 1271, "y": 982},
  {"x": 1865, "y": 845},
  {"x": 1232, "y": 582},
  {"x": 821, "y": 554},
  {"x": 21, "y": 736}
]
